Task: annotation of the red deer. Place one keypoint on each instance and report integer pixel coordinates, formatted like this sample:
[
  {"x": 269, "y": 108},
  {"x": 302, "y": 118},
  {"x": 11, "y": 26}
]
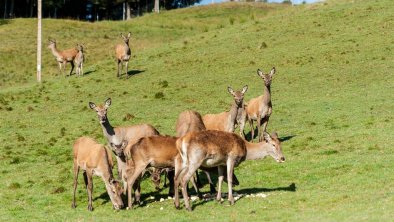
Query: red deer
[
  {"x": 154, "y": 151},
  {"x": 226, "y": 121},
  {"x": 79, "y": 60},
  {"x": 63, "y": 57},
  {"x": 260, "y": 108},
  {"x": 94, "y": 159},
  {"x": 213, "y": 148},
  {"x": 123, "y": 54},
  {"x": 117, "y": 136}
]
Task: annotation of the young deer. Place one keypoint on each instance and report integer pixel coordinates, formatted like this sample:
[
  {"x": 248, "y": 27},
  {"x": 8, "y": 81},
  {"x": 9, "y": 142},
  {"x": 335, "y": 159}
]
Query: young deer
[
  {"x": 95, "y": 159},
  {"x": 119, "y": 137},
  {"x": 63, "y": 57},
  {"x": 123, "y": 54},
  {"x": 219, "y": 149},
  {"x": 79, "y": 60},
  {"x": 226, "y": 121},
  {"x": 153, "y": 151},
  {"x": 260, "y": 108}
]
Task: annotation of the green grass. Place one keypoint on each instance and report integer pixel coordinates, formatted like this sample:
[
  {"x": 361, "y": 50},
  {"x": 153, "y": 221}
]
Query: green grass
[{"x": 332, "y": 101}]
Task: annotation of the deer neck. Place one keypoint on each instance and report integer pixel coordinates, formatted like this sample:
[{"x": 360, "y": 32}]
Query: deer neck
[
  {"x": 267, "y": 94},
  {"x": 55, "y": 52},
  {"x": 109, "y": 133},
  {"x": 256, "y": 151},
  {"x": 232, "y": 116}
]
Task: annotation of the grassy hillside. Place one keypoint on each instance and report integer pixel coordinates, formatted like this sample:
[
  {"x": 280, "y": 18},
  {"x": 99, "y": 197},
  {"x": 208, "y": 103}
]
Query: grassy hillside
[{"x": 332, "y": 104}]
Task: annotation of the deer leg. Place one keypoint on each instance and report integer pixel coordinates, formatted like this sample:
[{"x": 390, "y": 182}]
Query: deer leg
[
  {"x": 195, "y": 186},
  {"x": 127, "y": 69},
  {"x": 171, "y": 175},
  {"x": 259, "y": 133},
  {"x": 177, "y": 177},
  {"x": 89, "y": 186},
  {"x": 76, "y": 172},
  {"x": 130, "y": 183},
  {"x": 221, "y": 170},
  {"x": 265, "y": 123},
  {"x": 119, "y": 63},
  {"x": 81, "y": 69},
  {"x": 185, "y": 180},
  {"x": 60, "y": 68},
  {"x": 212, "y": 189},
  {"x": 230, "y": 170},
  {"x": 251, "y": 129},
  {"x": 72, "y": 67},
  {"x": 137, "y": 191}
]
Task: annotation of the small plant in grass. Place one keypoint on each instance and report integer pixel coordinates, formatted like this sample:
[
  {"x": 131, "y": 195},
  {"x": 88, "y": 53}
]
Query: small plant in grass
[
  {"x": 232, "y": 20},
  {"x": 159, "y": 95},
  {"x": 14, "y": 186}
]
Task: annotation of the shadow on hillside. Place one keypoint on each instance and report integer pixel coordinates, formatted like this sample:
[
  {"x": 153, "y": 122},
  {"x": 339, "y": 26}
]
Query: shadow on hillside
[
  {"x": 4, "y": 21},
  {"x": 134, "y": 72}
]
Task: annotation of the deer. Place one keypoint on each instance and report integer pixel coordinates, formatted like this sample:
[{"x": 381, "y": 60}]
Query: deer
[
  {"x": 94, "y": 159},
  {"x": 154, "y": 151},
  {"x": 123, "y": 54},
  {"x": 79, "y": 60},
  {"x": 226, "y": 121},
  {"x": 119, "y": 137},
  {"x": 212, "y": 148},
  {"x": 63, "y": 57},
  {"x": 191, "y": 121},
  {"x": 260, "y": 108}
]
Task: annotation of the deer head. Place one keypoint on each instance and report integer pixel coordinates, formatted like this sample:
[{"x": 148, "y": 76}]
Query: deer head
[
  {"x": 79, "y": 47},
  {"x": 275, "y": 150},
  {"x": 126, "y": 38},
  {"x": 267, "y": 77},
  {"x": 101, "y": 110},
  {"x": 238, "y": 95},
  {"x": 52, "y": 43},
  {"x": 115, "y": 194}
]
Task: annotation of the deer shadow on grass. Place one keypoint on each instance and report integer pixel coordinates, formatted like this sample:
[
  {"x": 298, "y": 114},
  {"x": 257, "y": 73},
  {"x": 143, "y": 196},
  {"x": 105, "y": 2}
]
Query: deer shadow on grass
[
  {"x": 248, "y": 136},
  {"x": 134, "y": 72},
  {"x": 248, "y": 191}
]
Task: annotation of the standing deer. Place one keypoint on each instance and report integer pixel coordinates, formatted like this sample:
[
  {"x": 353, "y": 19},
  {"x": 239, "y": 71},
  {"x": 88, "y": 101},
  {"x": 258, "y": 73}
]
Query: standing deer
[
  {"x": 260, "y": 108},
  {"x": 191, "y": 121},
  {"x": 154, "y": 151},
  {"x": 123, "y": 54},
  {"x": 119, "y": 137},
  {"x": 95, "y": 159},
  {"x": 63, "y": 57},
  {"x": 79, "y": 60},
  {"x": 213, "y": 148},
  {"x": 226, "y": 121}
]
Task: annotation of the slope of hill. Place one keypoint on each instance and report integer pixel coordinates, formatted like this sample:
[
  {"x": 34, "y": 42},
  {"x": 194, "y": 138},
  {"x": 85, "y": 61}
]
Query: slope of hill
[{"x": 332, "y": 98}]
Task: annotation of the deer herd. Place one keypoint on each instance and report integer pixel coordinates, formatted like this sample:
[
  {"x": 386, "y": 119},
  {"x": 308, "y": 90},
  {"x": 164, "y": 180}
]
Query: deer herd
[{"x": 206, "y": 143}]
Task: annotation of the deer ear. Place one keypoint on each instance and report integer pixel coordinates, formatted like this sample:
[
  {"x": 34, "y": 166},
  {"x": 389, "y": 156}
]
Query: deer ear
[
  {"x": 274, "y": 135},
  {"x": 124, "y": 143},
  {"x": 273, "y": 70},
  {"x": 108, "y": 102},
  {"x": 128, "y": 35},
  {"x": 244, "y": 89},
  {"x": 230, "y": 90},
  {"x": 92, "y": 105},
  {"x": 260, "y": 73},
  {"x": 267, "y": 137}
]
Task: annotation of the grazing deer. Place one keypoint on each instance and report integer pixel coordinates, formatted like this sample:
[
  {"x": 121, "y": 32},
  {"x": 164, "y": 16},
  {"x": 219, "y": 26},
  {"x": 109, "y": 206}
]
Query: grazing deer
[
  {"x": 154, "y": 151},
  {"x": 260, "y": 108},
  {"x": 94, "y": 159},
  {"x": 119, "y": 137},
  {"x": 79, "y": 60},
  {"x": 123, "y": 54},
  {"x": 213, "y": 148},
  {"x": 63, "y": 57},
  {"x": 226, "y": 121}
]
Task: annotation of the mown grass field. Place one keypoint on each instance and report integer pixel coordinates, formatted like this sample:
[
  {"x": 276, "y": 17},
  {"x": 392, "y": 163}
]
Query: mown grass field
[{"x": 332, "y": 104}]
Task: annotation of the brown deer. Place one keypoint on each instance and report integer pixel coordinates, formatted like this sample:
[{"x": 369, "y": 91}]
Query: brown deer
[
  {"x": 260, "y": 108},
  {"x": 154, "y": 151},
  {"x": 79, "y": 60},
  {"x": 119, "y": 137},
  {"x": 63, "y": 57},
  {"x": 123, "y": 54},
  {"x": 94, "y": 159},
  {"x": 213, "y": 148},
  {"x": 191, "y": 121},
  {"x": 226, "y": 121}
]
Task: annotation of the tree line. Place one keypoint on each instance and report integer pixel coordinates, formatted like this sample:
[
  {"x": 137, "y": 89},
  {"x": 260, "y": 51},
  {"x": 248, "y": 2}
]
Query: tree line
[{"x": 90, "y": 10}]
